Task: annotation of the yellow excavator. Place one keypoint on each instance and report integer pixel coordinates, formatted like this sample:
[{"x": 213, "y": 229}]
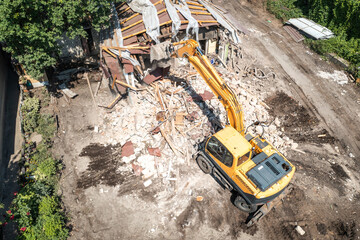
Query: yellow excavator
[{"x": 247, "y": 165}]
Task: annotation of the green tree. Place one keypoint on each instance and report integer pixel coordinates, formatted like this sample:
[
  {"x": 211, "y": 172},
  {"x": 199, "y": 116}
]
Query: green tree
[{"x": 30, "y": 29}]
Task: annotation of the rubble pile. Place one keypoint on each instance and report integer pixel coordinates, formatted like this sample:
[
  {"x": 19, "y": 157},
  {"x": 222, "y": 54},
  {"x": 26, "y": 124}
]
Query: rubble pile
[{"x": 166, "y": 120}]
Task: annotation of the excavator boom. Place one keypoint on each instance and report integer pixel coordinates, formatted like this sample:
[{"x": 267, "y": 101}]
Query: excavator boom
[{"x": 223, "y": 92}]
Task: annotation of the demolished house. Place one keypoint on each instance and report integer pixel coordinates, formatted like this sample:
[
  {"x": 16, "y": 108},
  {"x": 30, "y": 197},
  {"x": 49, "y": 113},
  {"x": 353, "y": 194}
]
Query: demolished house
[{"x": 140, "y": 24}]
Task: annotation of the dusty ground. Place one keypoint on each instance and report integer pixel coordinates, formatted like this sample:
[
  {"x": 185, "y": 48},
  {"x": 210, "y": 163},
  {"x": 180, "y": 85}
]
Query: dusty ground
[{"x": 105, "y": 203}]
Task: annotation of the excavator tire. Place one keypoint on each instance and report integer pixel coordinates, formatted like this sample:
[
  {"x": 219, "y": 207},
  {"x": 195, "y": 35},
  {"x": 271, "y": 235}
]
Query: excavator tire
[
  {"x": 241, "y": 204},
  {"x": 204, "y": 164}
]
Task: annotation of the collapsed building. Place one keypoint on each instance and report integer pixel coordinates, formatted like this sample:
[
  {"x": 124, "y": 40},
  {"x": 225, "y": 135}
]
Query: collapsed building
[{"x": 140, "y": 24}]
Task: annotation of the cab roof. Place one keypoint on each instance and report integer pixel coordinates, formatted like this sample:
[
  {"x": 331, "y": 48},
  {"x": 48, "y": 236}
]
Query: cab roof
[{"x": 234, "y": 141}]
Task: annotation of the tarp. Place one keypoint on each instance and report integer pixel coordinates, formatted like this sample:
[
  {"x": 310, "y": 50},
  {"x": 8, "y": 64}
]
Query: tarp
[
  {"x": 150, "y": 17},
  {"x": 193, "y": 24},
  {"x": 176, "y": 22},
  {"x": 125, "y": 54},
  {"x": 222, "y": 21},
  {"x": 117, "y": 26},
  {"x": 160, "y": 55}
]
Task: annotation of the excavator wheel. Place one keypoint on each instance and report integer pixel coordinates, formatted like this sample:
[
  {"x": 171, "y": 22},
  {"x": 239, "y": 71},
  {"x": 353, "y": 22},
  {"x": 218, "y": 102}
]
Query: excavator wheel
[
  {"x": 204, "y": 164},
  {"x": 241, "y": 204}
]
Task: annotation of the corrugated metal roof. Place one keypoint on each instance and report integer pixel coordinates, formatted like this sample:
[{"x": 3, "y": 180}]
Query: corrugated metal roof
[
  {"x": 133, "y": 27},
  {"x": 293, "y": 33},
  {"x": 311, "y": 28}
]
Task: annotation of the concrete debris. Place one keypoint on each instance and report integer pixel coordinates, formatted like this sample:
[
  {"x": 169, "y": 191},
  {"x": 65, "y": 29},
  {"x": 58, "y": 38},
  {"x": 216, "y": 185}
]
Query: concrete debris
[
  {"x": 337, "y": 76},
  {"x": 160, "y": 131},
  {"x": 147, "y": 183},
  {"x": 300, "y": 230}
]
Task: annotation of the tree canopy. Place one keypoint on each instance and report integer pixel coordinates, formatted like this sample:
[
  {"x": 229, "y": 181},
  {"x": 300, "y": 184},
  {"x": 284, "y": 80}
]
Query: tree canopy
[{"x": 30, "y": 29}]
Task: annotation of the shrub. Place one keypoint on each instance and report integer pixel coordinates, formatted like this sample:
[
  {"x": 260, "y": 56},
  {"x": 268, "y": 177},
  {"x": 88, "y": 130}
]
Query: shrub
[
  {"x": 36, "y": 208},
  {"x": 46, "y": 127},
  {"x": 284, "y": 9},
  {"x": 30, "y": 112}
]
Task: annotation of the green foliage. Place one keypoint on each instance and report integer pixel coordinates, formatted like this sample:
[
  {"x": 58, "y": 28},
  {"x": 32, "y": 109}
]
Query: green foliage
[
  {"x": 30, "y": 112},
  {"x": 51, "y": 219},
  {"x": 46, "y": 127},
  {"x": 31, "y": 29},
  {"x": 36, "y": 208},
  {"x": 45, "y": 98},
  {"x": 48, "y": 223},
  {"x": 284, "y": 9},
  {"x": 340, "y": 16},
  {"x": 46, "y": 168}
]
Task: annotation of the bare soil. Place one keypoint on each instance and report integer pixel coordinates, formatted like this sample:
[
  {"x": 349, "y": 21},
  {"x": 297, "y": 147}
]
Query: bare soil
[{"x": 318, "y": 114}]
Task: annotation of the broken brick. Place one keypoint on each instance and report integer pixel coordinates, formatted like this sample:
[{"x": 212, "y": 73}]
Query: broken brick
[
  {"x": 154, "y": 151},
  {"x": 155, "y": 131},
  {"x": 137, "y": 169},
  {"x": 127, "y": 150},
  {"x": 206, "y": 95},
  {"x": 192, "y": 116}
]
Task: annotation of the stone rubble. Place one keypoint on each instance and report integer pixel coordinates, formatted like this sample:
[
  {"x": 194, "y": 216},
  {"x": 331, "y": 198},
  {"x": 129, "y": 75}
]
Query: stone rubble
[{"x": 160, "y": 131}]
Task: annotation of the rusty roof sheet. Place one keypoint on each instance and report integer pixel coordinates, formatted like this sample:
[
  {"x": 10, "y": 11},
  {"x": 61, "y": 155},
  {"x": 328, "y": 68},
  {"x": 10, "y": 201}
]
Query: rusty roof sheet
[{"x": 132, "y": 25}]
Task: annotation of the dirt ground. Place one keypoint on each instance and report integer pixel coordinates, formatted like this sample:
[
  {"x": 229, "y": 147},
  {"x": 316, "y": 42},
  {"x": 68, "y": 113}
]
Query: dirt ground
[{"x": 320, "y": 115}]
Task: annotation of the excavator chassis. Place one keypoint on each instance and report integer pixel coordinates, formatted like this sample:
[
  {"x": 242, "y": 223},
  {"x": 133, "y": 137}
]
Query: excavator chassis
[
  {"x": 263, "y": 210},
  {"x": 266, "y": 208}
]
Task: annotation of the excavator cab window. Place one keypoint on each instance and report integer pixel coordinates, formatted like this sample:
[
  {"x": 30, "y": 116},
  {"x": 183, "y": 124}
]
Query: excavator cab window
[
  {"x": 243, "y": 158},
  {"x": 218, "y": 150}
]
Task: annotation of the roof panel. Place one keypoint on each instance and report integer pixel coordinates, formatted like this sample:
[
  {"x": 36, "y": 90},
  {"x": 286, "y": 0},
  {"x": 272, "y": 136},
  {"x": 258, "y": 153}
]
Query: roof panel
[{"x": 311, "y": 28}]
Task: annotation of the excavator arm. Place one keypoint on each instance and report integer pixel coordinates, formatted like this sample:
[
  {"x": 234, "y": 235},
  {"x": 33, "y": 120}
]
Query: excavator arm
[{"x": 227, "y": 97}]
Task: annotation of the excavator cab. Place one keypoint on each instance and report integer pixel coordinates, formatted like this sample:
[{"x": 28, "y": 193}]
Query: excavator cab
[{"x": 248, "y": 165}]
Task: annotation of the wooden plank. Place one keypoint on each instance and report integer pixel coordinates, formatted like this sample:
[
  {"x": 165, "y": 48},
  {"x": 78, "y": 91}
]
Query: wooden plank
[
  {"x": 127, "y": 85},
  {"x": 168, "y": 22},
  {"x": 91, "y": 92},
  {"x": 67, "y": 91},
  {"x": 112, "y": 104},
  {"x": 198, "y": 8},
  {"x": 196, "y": 4},
  {"x": 169, "y": 142}
]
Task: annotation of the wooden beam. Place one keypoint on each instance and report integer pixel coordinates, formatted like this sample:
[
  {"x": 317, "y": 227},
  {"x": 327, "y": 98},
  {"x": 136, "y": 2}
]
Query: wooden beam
[
  {"x": 129, "y": 18},
  {"x": 196, "y": 4},
  {"x": 108, "y": 51},
  {"x": 128, "y": 8},
  {"x": 127, "y": 85},
  {"x": 120, "y": 5},
  {"x": 128, "y": 48},
  {"x": 142, "y": 31},
  {"x": 200, "y": 13},
  {"x": 168, "y": 22},
  {"x": 91, "y": 92},
  {"x": 198, "y": 8}
]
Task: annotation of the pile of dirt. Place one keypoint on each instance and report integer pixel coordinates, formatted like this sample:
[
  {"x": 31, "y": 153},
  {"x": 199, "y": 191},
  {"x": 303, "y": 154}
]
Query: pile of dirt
[
  {"x": 298, "y": 122},
  {"x": 102, "y": 169}
]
